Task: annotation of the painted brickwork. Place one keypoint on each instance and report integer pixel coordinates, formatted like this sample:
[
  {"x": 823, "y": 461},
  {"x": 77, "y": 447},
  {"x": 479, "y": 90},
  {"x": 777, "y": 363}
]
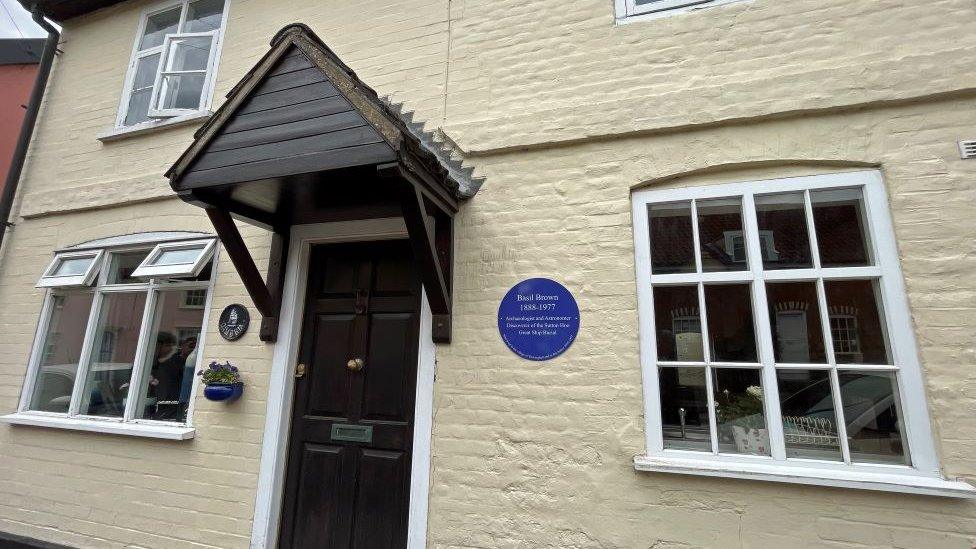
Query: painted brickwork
[{"x": 531, "y": 454}]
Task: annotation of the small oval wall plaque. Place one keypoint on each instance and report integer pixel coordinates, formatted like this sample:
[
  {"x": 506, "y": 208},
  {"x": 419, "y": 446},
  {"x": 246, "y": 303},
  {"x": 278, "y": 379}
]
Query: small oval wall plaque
[
  {"x": 234, "y": 322},
  {"x": 538, "y": 319}
]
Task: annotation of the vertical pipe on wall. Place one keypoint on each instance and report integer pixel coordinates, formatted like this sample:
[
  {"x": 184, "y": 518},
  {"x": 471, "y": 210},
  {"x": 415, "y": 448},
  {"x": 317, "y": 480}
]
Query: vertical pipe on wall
[{"x": 30, "y": 117}]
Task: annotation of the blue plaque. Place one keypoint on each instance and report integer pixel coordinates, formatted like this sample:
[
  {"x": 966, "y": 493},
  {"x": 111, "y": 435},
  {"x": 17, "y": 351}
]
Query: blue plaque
[{"x": 538, "y": 319}]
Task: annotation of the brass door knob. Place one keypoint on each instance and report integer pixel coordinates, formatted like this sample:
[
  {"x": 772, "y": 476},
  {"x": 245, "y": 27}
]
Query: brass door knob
[{"x": 355, "y": 364}]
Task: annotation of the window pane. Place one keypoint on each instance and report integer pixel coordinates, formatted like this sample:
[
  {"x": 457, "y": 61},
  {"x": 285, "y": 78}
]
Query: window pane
[
  {"x": 74, "y": 266},
  {"x": 113, "y": 354},
  {"x": 204, "y": 15},
  {"x": 684, "y": 409},
  {"x": 61, "y": 351},
  {"x": 184, "y": 256},
  {"x": 856, "y": 326},
  {"x": 181, "y": 91},
  {"x": 138, "y": 110},
  {"x": 809, "y": 421},
  {"x": 189, "y": 54},
  {"x": 158, "y": 26},
  {"x": 739, "y": 413},
  {"x": 794, "y": 317},
  {"x": 672, "y": 240},
  {"x": 146, "y": 71},
  {"x": 871, "y": 416},
  {"x": 122, "y": 266},
  {"x": 172, "y": 356},
  {"x": 730, "y": 327},
  {"x": 783, "y": 231},
  {"x": 678, "y": 324},
  {"x": 723, "y": 247},
  {"x": 142, "y": 86},
  {"x": 838, "y": 220}
]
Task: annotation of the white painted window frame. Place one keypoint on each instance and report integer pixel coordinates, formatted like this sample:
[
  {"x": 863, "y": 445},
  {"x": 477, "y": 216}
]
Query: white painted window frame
[
  {"x": 166, "y": 69},
  {"x": 923, "y": 476},
  {"x": 660, "y": 5},
  {"x": 148, "y": 267},
  {"x": 128, "y": 424},
  {"x": 50, "y": 280},
  {"x": 627, "y": 11},
  {"x": 206, "y": 101}
]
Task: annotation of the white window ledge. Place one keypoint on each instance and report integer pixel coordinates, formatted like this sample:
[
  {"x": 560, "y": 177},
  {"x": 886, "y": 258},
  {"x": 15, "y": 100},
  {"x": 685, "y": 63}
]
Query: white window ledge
[
  {"x": 145, "y": 430},
  {"x": 887, "y": 482},
  {"x": 115, "y": 134}
]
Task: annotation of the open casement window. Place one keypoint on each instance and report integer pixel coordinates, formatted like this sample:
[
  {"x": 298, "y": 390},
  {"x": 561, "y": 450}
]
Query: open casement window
[
  {"x": 775, "y": 335},
  {"x": 175, "y": 259},
  {"x": 71, "y": 269},
  {"x": 184, "y": 75},
  {"x": 174, "y": 61},
  {"x": 121, "y": 351}
]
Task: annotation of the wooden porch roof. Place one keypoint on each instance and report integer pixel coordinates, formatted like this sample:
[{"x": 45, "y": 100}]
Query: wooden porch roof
[{"x": 301, "y": 139}]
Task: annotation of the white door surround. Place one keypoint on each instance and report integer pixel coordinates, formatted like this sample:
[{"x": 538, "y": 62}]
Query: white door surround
[{"x": 274, "y": 450}]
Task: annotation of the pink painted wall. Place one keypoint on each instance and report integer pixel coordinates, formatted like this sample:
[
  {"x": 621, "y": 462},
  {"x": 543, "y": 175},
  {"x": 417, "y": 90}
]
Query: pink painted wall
[{"x": 16, "y": 82}]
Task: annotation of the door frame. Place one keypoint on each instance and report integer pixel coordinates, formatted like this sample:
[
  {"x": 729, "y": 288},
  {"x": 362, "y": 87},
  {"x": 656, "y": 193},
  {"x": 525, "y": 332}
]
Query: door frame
[{"x": 281, "y": 385}]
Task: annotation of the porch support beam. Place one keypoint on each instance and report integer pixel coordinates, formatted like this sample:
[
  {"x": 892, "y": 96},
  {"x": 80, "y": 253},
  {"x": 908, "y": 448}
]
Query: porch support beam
[
  {"x": 276, "y": 284},
  {"x": 424, "y": 245},
  {"x": 233, "y": 243}
]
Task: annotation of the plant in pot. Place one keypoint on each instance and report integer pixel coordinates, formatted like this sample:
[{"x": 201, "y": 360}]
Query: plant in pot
[
  {"x": 744, "y": 413},
  {"x": 223, "y": 382}
]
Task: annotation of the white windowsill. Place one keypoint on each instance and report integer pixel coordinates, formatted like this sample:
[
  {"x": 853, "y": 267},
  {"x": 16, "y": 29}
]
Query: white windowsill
[
  {"x": 145, "y": 430},
  {"x": 887, "y": 482},
  {"x": 114, "y": 134}
]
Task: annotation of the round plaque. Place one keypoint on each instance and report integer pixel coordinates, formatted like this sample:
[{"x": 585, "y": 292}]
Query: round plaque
[
  {"x": 234, "y": 322},
  {"x": 538, "y": 319}
]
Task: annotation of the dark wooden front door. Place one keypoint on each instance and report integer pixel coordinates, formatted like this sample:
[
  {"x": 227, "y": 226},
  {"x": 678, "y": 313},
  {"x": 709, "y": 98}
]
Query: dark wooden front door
[{"x": 348, "y": 477}]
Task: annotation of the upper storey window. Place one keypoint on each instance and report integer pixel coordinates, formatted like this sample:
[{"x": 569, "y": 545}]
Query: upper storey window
[
  {"x": 174, "y": 61},
  {"x": 649, "y": 8}
]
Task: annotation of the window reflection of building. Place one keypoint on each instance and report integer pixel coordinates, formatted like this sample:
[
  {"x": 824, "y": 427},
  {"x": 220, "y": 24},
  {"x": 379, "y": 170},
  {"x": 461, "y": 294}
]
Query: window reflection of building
[
  {"x": 843, "y": 333},
  {"x": 194, "y": 299},
  {"x": 686, "y": 327}
]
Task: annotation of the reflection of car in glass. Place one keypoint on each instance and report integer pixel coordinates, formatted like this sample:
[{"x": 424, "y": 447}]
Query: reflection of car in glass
[
  {"x": 109, "y": 385},
  {"x": 869, "y": 409}
]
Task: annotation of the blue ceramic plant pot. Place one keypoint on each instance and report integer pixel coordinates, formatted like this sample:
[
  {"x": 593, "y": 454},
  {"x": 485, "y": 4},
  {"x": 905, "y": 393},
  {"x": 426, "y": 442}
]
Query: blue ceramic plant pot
[{"x": 223, "y": 392}]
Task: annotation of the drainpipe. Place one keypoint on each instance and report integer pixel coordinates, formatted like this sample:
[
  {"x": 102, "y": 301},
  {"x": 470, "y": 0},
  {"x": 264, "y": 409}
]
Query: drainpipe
[{"x": 30, "y": 117}]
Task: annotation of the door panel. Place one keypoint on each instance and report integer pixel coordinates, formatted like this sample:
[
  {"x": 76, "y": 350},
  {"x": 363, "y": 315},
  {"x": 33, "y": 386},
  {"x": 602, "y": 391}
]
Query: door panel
[
  {"x": 321, "y": 468},
  {"x": 378, "y": 497},
  {"x": 348, "y": 473},
  {"x": 385, "y": 380},
  {"x": 329, "y": 393}
]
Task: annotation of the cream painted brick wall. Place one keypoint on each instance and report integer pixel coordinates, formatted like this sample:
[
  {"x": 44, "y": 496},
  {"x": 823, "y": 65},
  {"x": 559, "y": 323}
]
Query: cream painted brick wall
[
  {"x": 536, "y": 454},
  {"x": 530, "y": 454},
  {"x": 531, "y": 73}
]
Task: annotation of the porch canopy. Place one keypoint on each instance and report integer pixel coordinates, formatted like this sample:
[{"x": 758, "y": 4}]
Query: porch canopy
[{"x": 301, "y": 139}]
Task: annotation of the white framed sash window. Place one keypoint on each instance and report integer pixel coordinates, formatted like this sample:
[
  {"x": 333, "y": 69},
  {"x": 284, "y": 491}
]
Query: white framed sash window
[
  {"x": 174, "y": 62},
  {"x": 769, "y": 387}
]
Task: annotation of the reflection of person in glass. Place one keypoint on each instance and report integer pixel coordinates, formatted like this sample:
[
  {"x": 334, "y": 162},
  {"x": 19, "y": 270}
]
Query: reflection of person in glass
[{"x": 168, "y": 373}]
